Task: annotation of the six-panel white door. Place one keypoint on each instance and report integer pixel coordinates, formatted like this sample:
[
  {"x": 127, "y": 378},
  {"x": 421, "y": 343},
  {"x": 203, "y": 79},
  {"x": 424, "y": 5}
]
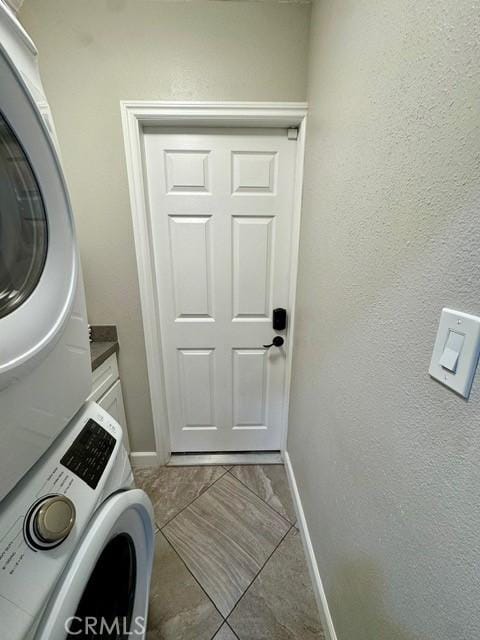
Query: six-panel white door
[{"x": 221, "y": 222}]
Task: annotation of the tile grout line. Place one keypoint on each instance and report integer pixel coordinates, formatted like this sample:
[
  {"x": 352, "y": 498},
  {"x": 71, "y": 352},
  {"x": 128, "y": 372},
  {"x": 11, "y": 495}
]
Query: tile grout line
[
  {"x": 258, "y": 573},
  {"x": 260, "y": 497},
  {"x": 190, "y": 503},
  {"x": 199, "y": 584},
  {"x": 160, "y": 530},
  {"x": 225, "y": 623},
  {"x": 290, "y": 526},
  {"x": 232, "y": 630}
]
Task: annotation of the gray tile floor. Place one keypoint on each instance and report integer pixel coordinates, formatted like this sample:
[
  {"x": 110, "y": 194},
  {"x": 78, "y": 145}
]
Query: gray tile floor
[{"x": 229, "y": 561}]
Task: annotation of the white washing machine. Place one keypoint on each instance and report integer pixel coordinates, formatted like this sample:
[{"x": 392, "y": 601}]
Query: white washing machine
[
  {"x": 45, "y": 371},
  {"x": 76, "y": 541}
]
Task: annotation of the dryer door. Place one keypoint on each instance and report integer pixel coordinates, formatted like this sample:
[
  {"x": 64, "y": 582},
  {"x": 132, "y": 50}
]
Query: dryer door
[
  {"x": 103, "y": 592},
  {"x": 38, "y": 260}
]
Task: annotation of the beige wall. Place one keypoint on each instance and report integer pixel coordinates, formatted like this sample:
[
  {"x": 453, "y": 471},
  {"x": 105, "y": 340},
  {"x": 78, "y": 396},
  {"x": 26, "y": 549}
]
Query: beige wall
[
  {"x": 387, "y": 459},
  {"x": 93, "y": 53}
]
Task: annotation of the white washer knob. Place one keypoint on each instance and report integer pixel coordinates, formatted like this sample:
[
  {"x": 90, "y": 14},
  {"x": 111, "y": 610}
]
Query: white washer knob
[
  {"x": 55, "y": 518},
  {"x": 50, "y": 521}
]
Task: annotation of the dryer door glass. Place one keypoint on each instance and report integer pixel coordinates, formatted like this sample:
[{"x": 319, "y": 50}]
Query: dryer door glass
[{"x": 23, "y": 224}]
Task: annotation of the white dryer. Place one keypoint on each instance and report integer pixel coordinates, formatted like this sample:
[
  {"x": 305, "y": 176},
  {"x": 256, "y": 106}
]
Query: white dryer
[
  {"x": 44, "y": 352},
  {"x": 76, "y": 541}
]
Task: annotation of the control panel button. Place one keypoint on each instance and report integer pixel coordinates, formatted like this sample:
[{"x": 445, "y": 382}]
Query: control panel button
[{"x": 89, "y": 454}]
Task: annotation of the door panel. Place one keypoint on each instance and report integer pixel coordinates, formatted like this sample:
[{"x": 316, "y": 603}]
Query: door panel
[
  {"x": 249, "y": 388},
  {"x": 196, "y": 368},
  {"x": 221, "y": 215},
  {"x": 186, "y": 171},
  {"x": 253, "y": 173},
  {"x": 190, "y": 250},
  {"x": 252, "y": 266}
]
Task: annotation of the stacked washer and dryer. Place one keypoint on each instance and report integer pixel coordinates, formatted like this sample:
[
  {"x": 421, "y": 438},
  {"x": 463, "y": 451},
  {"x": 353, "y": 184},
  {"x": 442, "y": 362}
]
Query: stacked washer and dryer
[{"x": 76, "y": 539}]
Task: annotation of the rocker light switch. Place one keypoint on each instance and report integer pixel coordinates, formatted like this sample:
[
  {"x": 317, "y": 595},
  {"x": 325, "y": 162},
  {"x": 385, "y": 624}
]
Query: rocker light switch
[
  {"x": 452, "y": 351},
  {"x": 456, "y": 350}
]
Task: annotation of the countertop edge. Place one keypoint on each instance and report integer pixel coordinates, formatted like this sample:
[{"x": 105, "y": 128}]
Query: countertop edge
[{"x": 100, "y": 351}]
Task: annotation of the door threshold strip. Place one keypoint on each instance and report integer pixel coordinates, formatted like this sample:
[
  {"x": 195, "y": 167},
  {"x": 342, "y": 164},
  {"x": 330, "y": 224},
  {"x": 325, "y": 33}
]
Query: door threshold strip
[{"x": 199, "y": 459}]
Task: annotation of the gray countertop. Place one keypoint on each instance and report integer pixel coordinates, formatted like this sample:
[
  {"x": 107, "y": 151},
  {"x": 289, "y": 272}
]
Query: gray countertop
[
  {"x": 100, "y": 351},
  {"x": 104, "y": 343}
]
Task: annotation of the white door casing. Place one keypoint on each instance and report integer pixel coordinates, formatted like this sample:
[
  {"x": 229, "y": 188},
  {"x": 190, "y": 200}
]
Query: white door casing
[
  {"x": 221, "y": 218},
  {"x": 137, "y": 114}
]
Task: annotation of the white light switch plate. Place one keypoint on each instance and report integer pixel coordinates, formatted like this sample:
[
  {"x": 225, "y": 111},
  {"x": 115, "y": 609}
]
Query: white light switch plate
[{"x": 469, "y": 326}]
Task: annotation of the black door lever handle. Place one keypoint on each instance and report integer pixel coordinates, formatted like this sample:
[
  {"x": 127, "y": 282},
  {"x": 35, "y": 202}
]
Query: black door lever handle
[{"x": 276, "y": 342}]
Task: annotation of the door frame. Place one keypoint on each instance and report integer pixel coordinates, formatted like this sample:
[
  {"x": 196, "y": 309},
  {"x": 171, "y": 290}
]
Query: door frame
[{"x": 135, "y": 114}]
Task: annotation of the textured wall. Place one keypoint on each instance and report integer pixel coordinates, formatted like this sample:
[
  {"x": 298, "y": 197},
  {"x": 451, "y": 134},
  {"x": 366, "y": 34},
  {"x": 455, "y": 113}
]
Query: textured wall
[
  {"x": 93, "y": 53},
  {"x": 387, "y": 459}
]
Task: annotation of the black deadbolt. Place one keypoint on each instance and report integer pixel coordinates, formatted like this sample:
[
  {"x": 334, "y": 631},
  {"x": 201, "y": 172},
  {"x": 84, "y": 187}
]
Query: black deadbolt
[{"x": 279, "y": 319}]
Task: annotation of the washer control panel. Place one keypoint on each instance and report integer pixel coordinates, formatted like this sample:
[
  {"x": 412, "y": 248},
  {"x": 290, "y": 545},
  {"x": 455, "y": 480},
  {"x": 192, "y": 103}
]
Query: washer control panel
[
  {"x": 44, "y": 516},
  {"x": 89, "y": 454}
]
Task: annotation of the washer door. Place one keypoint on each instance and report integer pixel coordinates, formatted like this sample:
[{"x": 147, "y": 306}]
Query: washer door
[
  {"x": 38, "y": 259},
  {"x": 103, "y": 592}
]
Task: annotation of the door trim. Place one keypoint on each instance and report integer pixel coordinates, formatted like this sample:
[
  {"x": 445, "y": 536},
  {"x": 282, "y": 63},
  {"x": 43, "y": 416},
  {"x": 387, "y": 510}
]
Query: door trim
[{"x": 136, "y": 114}]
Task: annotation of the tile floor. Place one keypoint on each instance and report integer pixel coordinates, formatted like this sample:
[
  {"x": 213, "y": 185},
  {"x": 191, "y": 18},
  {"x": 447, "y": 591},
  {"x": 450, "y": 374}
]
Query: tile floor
[{"x": 229, "y": 562}]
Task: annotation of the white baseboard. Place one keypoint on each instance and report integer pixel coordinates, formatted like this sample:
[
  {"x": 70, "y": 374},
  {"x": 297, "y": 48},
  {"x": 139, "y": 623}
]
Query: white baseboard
[
  {"x": 139, "y": 459},
  {"x": 311, "y": 560}
]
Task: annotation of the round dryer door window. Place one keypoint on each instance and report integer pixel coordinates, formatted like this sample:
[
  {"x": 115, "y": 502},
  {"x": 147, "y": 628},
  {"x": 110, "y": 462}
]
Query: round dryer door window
[
  {"x": 38, "y": 255},
  {"x": 23, "y": 224}
]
